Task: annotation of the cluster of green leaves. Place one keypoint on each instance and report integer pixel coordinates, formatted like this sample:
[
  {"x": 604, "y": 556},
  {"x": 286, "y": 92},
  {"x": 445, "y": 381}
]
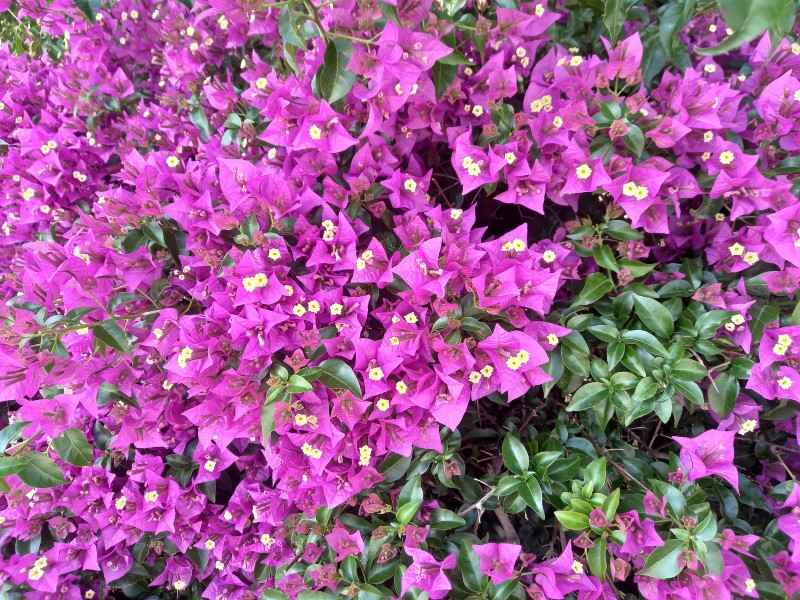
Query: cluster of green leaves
[
  {"x": 107, "y": 333},
  {"x": 644, "y": 349},
  {"x": 37, "y": 469},
  {"x": 24, "y": 36}
]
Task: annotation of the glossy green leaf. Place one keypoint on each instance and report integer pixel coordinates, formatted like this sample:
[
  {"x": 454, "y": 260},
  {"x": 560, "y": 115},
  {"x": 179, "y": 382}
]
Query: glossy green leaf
[
  {"x": 689, "y": 369},
  {"x": 11, "y": 465},
  {"x": 73, "y": 448},
  {"x": 334, "y": 79},
  {"x": 598, "y": 561},
  {"x": 597, "y": 285},
  {"x": 531, "y": 493},
  {"x": 337, "y": 375},
  {"x": 690, "y": 390},
  {"x": 11, "y": 433},
  {"x": 654, "y": 315},
  {"x": 112, "y": 336},
  {"x": 442, "y": 519},
  {"x": 604, "y": 257},
  {"x": 588, "y": 396},
  {"x": 722, "y": 394},
  {"x": 646, "y": 341},
  {"x": 515, "y": 455},
  {"x": 614, "y": 18},
  {"x": 289, "y": 26},
  {"x": 634, "y": 140},
  {"x": 574, "y": 521},
  {"x": 663, "y": 562},
  {"x": 749, "y": 19},
  {"x": 469, "y": 567},
  {"x": 298, "y": 385},
  {"x": 40, "y": 471}
]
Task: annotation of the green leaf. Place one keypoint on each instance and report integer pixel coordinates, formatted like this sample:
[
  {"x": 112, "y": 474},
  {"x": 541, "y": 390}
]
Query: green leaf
[
  {"x": 610, "y": 504},
  {"x": 442, "y": 519},
  {"x": 749, "y": 19},
  {"x": 407, "y": 512},
  {"x": 337, "y": 375},
  {"x": 614, "y": 18},
  {"x": 200, "y": 120},
  {"x": 588, "y": 396},
  {"x": 604, "y": 257},
  {"x": 672, "y": 21},
  {"x": 113, "y": 336},
  {"x": 479, "y": 330},
  {"x": 443, "y": 76},
  {"x": 564, "y": 469},
  {"x": 595, "y": 473},
  {"x": 654, "y": 315},
  {"x": 624, "y": 380},
  {"x": 334, "y": 79},
  {"x": 11, "y": 465},
  {"x": 531, "y": 493},
  {"x": 707, "y": 528},
  {"x": 503, "y": 590},
  {"x": 596, "y": 556},
  {"x": 469, "y": 567},
  {"x": 289, "y": 26},
  {"x": 571, "y": 520},
  {"x": 267, "y": 421},
  {"x": 515, "y": 456},
  {"x": 689, "y": 369},
  {"x": 646, "y": 341},
  {"x": 636, "y": 267},
  {"x": 298, "y": 385},
  {"x": 722, "y": 394},
  {"x": 761, "y": 314},
  {"x": 663, "y": 562},
  {"x": 708, "y": 323},
  {"x": 11, "y": 433},
  {"x": 455, "y": 58},
  {"x": 152, "y": 230},
  {"x": 646, "y": 388},
  {"x": 690, "y": 390},
  {"x": 411, "y": 491},
  {"x": 40, "y": 471},
  {"x": 634, "y": 140},
  {"x": 597, "y": 285},
  {"x": 73, "y": 448},
  {"x": 622, "y": 231},
  {"x": 308, "y": 595},
  {"x": 118, "y": 300},
  {"x": 605, "y": 333},
  {"x": 508, "y": 485}
]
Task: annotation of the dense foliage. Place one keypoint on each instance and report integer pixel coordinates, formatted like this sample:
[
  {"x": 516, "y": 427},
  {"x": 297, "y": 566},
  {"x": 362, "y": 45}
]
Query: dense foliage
[{"x": 399, "y": 298}]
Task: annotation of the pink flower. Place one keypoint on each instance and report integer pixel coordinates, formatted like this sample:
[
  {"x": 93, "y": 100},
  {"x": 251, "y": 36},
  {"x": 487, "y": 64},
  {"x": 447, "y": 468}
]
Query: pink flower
[
  {"x": 497, "y": 560},
  {"x": 427, "y": 574},
  {"x": 344, "y": 543},
  {"x": 710, "y": 453}
]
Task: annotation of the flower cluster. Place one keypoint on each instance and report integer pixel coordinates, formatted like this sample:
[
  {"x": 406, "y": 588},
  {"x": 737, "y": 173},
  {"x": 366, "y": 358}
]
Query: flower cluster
[{"x": 281, "y": 279}]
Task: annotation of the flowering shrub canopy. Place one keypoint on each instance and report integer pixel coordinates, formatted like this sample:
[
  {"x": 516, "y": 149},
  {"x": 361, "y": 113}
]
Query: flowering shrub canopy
[{"x": 382, "y": 299}]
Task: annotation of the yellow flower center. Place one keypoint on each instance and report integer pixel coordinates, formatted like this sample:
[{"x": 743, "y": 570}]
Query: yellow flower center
[
  {"x": 583, "y": 172},
  {"x": 736, "y": 250}
]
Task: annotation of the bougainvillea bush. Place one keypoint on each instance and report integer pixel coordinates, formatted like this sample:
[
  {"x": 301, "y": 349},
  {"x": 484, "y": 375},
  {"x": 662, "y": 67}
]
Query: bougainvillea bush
[{"x": 399, "y": 299}]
